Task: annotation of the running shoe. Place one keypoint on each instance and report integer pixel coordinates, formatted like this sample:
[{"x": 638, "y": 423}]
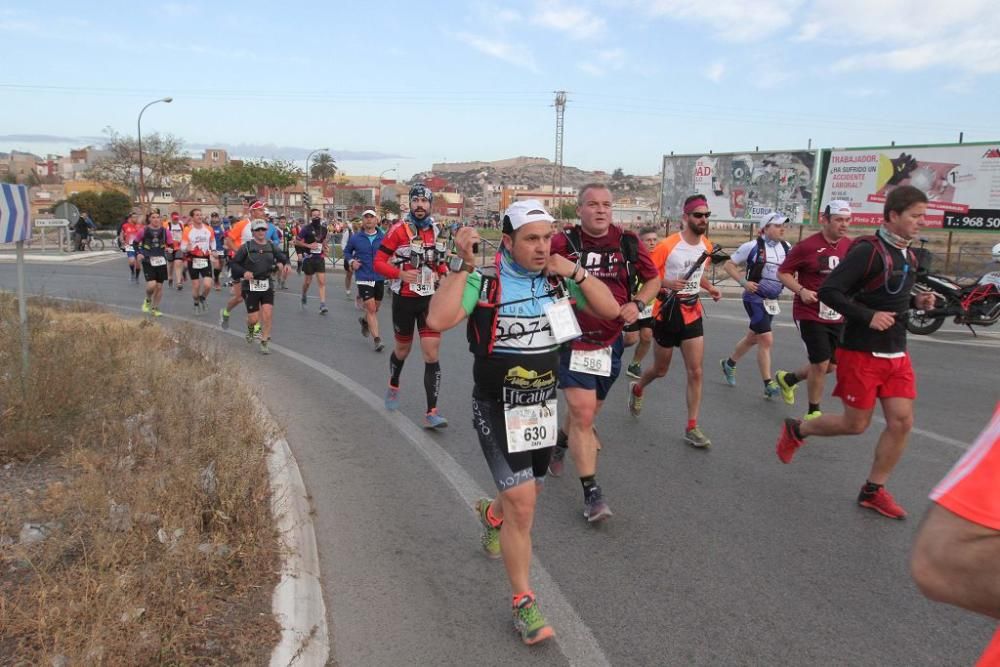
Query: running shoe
[
  {"x": 558, "y": 461},
  {"x": 529, "y": 622},
  {"x": 788, "y": 443},
  {"x": 224, "y": 318},
  {"x": 250, "y": 334},
  {"x": 347, "y": 292},
  {"x": 595, "y": 508},
  {"x": 264, "y": 349},
  {"x": 787, "y": 390},
  {"x": 882, "y": 502},
  {"x": 728, "y": 372},
  {"x": 695, "y": 438},
  {"x": 197, "y": 308},
  {"x": 634, "y": 370},
  {"x": 433, "y": 420},
  {"x": 323, "y": 310},
  {"x": 392, "y": 398},
  {"x": 180, "y": 286},
  {"x": 304, "y": 300},
  {"x": 157, "y": 313},
  {"x": 145, "y": 306},
  {"x": 490, "y": 538},
  {"x": 379, "y": 346},
  {"x": 257, "y": 331},
  {"x": 771, "y": 389},
  {"x": 812, "y": 415},
  {"x": 364, "y": 326},
  {"x": 634, "y": 399}
]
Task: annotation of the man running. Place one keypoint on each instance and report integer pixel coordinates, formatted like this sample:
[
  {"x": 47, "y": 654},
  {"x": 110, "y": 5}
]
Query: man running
[
  {"x": 197, "y": 244},
  {"x": 679, "y": 316},
  {"x": 518, "y": 312},
  {"x": 310, "y": 244},
  {"x": 761, "y": 289},
  {"x": 640, "y": 332},
  {"x": 234, "y": 241},
  {"x": 254, "y": 262},
  {"x": 808, "y": 264},
  {"x": 219, "y": 260},
  {"x": 348, "y": 269},
  {"x": 175, "y": 256},
  {"x": 871, "y": 287},
  {"x": 127, "y": 235},
  {"x": 151, "y": 252},
  {"x": 409, "y": 256},
  {"x": 589, "y": 366},
  {"x": 360, "y": 255}
]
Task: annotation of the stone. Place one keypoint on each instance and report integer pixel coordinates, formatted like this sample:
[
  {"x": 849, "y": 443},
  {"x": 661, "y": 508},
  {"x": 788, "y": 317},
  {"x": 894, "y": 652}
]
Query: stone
[
  {"x": 120, "y": 517},
  {"x": 32, "y": 532}
]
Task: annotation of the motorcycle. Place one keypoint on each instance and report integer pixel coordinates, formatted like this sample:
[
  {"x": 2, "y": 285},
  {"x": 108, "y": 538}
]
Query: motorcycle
[{"x": 975, "y": 304}]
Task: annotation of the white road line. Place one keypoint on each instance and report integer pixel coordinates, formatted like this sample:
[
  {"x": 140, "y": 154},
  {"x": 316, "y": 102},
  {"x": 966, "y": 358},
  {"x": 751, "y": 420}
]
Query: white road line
[{"x": 575, "y": 639}]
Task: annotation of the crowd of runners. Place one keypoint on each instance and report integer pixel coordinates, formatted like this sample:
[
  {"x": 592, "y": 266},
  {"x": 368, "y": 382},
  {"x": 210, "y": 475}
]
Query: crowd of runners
[{"x": 556, "y": 308}]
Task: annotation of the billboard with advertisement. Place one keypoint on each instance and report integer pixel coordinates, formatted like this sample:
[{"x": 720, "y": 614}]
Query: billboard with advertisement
[
  {"x": 742, "y": 186},
  {"x": 962, "y": 182}
]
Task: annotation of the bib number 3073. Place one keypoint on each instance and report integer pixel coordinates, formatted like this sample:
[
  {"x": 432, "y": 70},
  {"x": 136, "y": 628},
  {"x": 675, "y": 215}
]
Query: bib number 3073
[
  {"x": 531, "y": 427},
  {"x": 592, "y": 362}
]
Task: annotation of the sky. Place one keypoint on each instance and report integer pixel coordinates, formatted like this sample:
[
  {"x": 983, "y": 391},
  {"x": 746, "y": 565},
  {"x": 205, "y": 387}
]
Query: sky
[{"x": 401, "y": 85}]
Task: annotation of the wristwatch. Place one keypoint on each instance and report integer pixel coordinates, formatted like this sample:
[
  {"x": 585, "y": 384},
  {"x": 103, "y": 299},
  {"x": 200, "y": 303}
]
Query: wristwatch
[
  {"x": 639, "y": 304},
  {"x": 456, "y": 264}
]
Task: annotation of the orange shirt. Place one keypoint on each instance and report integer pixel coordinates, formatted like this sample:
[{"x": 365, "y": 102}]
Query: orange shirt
[
  {"x": 675, "y": 267},
  {"x": 235, "y": 233}
]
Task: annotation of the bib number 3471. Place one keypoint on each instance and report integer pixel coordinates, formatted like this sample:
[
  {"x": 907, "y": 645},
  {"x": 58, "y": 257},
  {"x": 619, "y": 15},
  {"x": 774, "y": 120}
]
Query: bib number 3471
[{"x": 592, "y": 362}]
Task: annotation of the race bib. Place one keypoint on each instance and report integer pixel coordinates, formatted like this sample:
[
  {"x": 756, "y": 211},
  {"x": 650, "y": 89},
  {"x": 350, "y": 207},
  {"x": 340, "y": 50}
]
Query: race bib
[
  {"x": 531, "y": 427},
  {"x": 827, "y": 313},
  {"x": 647, "y": 312},
  {"x": 218, "y": 253},
  {"x": 562, "y": 320},
  {"x": 771, "y": 306},
  {"x": 157, "y": 261},
  {"x": 317, "y": 248},
  {"x": 592, "y": 362},
  {"x": 199, "y": 263},
  {"x": 365, "y": 283},
  {"x": 260, "y": 285},
  {"x": 426, "y": 285}
]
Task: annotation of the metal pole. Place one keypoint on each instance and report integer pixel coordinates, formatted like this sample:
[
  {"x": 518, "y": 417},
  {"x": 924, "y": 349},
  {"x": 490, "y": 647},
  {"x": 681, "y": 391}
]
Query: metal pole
[
  {"x": 138, "y": 124},
  {"x": 947, "y": 254},
  {"x": 22, "y": 310}
]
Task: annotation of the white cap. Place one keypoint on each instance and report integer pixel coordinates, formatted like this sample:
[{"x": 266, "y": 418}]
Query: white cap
[
  {"x": 773, "y": 218},
  {"x": 521, "y": 213},
  {"x": 838, "y": 207},
  {"x": 369, "y": 212},
  {"x": 258, "y": 224}
]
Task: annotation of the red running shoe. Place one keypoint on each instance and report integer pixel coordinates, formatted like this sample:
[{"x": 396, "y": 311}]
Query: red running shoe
[
  {"x": 882, "y": 502},
  {"x": 788, "y": 444}
]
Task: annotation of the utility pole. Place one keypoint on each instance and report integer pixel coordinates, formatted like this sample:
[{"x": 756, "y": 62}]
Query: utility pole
[{"x": 557, "y": 167}]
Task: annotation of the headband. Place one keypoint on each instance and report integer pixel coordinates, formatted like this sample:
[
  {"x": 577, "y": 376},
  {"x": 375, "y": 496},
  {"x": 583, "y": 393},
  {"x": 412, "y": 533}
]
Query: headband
[{"x": 693, "y": 204}]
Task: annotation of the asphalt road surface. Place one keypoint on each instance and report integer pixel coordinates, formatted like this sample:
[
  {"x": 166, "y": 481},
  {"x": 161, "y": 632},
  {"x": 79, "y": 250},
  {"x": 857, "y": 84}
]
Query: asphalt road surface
[{"x": 717, "y": 557}]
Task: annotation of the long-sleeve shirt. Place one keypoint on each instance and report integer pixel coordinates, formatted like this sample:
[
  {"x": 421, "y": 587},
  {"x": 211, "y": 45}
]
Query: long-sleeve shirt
[
  {"x": 363, "y": 248},
  {"x": 258, "y": 259}
]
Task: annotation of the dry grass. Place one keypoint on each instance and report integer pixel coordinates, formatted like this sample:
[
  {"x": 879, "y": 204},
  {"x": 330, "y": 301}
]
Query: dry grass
[{"x": 149, "y": 559}]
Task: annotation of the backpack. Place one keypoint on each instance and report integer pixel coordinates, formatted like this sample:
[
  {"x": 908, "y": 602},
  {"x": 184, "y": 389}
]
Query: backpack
[
  {"x": 755, "y": 269},
  {"x": 629, "y": 246},
  {"x": 875, "y": 282}
]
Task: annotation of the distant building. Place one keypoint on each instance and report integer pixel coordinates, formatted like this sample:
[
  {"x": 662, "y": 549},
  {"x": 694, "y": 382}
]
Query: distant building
[
  {"x": 550, "y": 200},
  {"x": 211, "y": 158}
]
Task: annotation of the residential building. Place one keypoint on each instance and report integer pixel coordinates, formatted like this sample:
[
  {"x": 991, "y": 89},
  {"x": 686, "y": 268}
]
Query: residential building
[{"x": 211, "y": 158}]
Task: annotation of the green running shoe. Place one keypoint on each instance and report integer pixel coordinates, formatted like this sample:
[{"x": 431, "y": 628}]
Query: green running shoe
[
  {"x": 812, "y": 415},
  {"x": 696, "y": 438},
  {"x": 490, "y": 538},
  {"x": 146, "y": 307},
  {"x": 728, "y": 372},
  {"x": 634, "y": 370},
  {"x": 529, "y": 622},
  {"x": 250, "y": 333},
  {"x": 787, "y": 390}
]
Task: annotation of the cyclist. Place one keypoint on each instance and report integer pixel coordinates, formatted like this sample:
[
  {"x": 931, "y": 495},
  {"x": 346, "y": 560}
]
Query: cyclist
[
  {"x": 254, "y": 263},
  {"x": 359, "y": 253}
]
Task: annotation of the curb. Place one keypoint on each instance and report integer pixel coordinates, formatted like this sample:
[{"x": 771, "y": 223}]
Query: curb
[{"x": 61, "y": 258}]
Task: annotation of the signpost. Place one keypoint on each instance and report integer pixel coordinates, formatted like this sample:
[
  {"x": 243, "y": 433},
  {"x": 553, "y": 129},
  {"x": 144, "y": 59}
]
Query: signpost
[{"x": 15, "y": 226}]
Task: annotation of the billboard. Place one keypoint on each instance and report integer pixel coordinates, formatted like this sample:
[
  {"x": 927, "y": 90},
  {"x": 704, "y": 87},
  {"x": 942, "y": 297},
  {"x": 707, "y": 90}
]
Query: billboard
[
  {"x": 962, "y": 182},
  {"x": 742, "y": 186}
]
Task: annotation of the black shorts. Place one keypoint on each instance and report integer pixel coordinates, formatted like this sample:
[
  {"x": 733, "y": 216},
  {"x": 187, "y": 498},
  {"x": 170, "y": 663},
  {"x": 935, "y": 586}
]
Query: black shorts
[
  {"x": 409, "y": 312},
  {"x": 821, "y": 339},
  {"x": 509, "y": 470},
  {"x": 644, "y": 323},
  {"x": 670, "y": 329},
  {"x": 205, "y": 272},
  {"x": 367, "y": 291},
  {"x": 151, "y": 273},
  {"x": 254, "y": 300},
  {"x": 314, "y": 265}
]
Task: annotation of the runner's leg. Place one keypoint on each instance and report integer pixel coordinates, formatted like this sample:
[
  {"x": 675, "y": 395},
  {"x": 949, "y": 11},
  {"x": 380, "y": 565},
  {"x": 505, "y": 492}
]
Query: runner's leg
[
  {"x": 693, "y": 351},
  {"x": 892, "y": 441}
]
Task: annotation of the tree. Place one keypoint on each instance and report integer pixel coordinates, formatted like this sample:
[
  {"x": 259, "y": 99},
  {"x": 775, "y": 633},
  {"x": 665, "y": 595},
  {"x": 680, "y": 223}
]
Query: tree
[
  {"x": 106, "y": 208},
  {"x": 618, "y": 174},
  {"x": 246, "y": 177},
  {"x": 566, "y": 211},
  {"x": 162, "y": 158},
  {"x": 324, "y": 167},
  {"x": 10, "y": 178},
  {"x": 390, "y": 206}
]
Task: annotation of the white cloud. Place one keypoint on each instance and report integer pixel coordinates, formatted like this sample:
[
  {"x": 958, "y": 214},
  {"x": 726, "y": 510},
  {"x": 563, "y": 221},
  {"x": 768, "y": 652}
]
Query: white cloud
[
  {"x": 731, "y": 20},
  {"x": 716, "y": 71},
  {"x": 606, "y": 60},
  {"x": 514, "y": 54},
  {"x": 577, "y": 22}
]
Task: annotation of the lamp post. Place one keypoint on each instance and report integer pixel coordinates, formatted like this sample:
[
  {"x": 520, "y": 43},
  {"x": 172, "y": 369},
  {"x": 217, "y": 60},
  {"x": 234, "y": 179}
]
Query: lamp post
[
  {"x": 142, "y": 180},
  {"x": 378, "y": 204},
  {"x": 308, "y": 160}
]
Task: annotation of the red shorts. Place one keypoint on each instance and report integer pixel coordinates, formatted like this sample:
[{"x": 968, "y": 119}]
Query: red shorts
[{"x": 863, "y": 377}]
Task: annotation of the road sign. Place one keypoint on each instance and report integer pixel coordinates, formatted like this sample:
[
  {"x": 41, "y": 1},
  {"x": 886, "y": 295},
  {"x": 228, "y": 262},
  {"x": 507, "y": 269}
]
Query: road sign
[
  {"x": 67, "y": 211},
  {"x": 52, "y": 222},
  {"x": 15, "y": 213}
]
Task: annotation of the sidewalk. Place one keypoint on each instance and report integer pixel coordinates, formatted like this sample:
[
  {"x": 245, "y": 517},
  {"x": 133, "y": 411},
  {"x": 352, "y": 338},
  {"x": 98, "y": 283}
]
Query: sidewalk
[{"x": 8, "y": 254}]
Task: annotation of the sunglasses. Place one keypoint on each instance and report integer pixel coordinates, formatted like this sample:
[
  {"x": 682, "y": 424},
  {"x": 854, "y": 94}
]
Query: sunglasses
[{"x": 698, "y": 215}]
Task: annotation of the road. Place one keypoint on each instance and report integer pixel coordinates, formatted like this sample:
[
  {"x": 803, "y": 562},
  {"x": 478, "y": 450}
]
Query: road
[{"x": 713, "y": 557}]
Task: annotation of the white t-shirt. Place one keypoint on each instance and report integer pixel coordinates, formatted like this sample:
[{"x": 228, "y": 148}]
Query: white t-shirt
[{"x": 680, "y": 260}]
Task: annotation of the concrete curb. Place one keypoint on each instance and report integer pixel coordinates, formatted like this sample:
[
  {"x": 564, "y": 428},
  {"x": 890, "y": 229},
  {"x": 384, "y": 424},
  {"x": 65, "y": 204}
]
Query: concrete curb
[{"x": 61, "y": 258}]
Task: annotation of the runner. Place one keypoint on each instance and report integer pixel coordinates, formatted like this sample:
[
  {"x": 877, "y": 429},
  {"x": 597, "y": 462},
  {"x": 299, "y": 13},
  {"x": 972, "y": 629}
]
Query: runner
[
  {"x": 233, "y": 241},
  {"x": 349, "y": 230},
  {"x": 805, "y": 268},
  {"x": 871, "y": 287},
  {"x": 175, "y": 270},
  {"x": 640, "y": 332},
  {"x": 219, "y": 259},
  {"x": 129, "y": 232},
  {"x": 762, "y": 288},
  {"x": 679, "y": 316},
  {"x": 410, "y": 257},
  {"x": 254, "y": 263},
  {"x": 589, "y": 366},
  {"x": 310, "y": 244},
  {"x": 197, "y": 244},
  {"x": 151, "y": 252},
  {"x": 517, "y": 316},
  {"x": 360, "y": 255},
  {"x": 956, "y": 556},
  {"x": 285, "y": 230}
]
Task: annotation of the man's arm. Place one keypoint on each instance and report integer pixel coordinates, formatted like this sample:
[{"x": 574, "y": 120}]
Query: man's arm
[
  {"x": 449, "y": 306},
  {"x": 844, "y": 281}
]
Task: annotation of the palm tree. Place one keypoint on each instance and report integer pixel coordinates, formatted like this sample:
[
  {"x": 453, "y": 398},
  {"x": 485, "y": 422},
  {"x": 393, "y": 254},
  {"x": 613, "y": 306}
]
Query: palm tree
[{"x": 324, "y": 167}]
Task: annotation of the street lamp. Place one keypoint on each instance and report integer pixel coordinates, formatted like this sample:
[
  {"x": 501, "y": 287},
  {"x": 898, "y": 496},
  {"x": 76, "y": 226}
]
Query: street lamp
[
  {"x": 308, "y": 159},
  {"x": 378, "y": 204},
  {"x": 142, "y": 180}
]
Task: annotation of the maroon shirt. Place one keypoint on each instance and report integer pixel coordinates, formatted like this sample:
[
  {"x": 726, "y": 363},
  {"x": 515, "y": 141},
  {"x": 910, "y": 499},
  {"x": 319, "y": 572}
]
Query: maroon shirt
[
  {"x": 602, "y": 257},
  {"x": 812, "y": 259}
]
